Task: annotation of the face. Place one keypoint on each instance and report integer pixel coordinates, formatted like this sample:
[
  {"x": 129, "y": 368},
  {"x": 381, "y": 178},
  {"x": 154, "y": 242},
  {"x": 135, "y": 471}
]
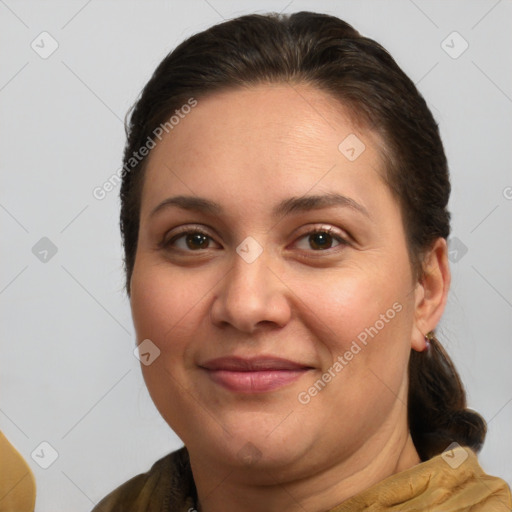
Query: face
[{"x": 272, "y": 274}]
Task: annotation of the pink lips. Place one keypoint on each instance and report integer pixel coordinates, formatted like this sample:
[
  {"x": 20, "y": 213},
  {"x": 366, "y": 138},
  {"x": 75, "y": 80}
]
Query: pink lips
[{"x": 256, "y": 375}]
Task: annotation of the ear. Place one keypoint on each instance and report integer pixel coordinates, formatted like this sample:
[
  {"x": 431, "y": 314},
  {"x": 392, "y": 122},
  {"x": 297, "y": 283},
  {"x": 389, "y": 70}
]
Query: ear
[{"x": 431, "y": 293}]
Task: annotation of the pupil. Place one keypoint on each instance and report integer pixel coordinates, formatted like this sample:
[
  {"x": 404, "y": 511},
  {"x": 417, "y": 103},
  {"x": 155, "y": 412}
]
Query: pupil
[
  {"x": 321, "y": 240},
  {"x": 197, "y": 241}
]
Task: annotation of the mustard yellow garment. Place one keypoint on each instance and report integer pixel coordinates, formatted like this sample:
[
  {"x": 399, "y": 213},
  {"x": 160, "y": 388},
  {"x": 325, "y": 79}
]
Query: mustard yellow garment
[
  {"x": 433, "y": 486},
  {"x": 17, "y": 486},
  {"x": 436, "y": 486}
]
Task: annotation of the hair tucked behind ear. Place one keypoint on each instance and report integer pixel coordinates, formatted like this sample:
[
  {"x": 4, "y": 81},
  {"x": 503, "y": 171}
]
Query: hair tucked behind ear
[
  {"x": 325, "y": 52},
  {"x": 438, "y": 414}
]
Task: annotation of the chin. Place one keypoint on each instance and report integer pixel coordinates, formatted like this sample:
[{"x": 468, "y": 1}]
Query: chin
[{"x": 252, "y": 447}]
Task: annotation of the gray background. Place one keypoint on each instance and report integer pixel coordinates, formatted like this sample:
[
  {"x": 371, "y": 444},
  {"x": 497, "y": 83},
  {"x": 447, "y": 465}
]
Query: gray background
[{"x": 68, "y": 375}]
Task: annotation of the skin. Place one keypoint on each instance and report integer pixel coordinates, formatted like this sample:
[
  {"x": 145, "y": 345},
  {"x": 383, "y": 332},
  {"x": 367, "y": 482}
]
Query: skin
[{"x": 248, "y": 150}]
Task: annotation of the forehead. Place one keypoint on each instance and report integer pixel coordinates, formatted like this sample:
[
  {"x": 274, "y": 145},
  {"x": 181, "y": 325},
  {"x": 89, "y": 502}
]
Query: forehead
[
  {"x": 267, "y": 137},
  {"x": 270, "y": 113}
]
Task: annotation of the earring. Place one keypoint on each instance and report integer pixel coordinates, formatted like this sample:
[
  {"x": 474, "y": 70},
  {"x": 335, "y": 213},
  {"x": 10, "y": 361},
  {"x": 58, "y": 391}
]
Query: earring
[{"x": 428, "y": 339}]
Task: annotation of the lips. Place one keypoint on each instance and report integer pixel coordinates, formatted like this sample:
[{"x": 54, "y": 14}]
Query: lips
[
  {"x": 253, "y": 375},
  {"x": 239, "y": 364}
]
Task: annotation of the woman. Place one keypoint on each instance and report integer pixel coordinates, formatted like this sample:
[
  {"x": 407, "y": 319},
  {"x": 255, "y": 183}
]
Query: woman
[{"x": 284, "y": 218}]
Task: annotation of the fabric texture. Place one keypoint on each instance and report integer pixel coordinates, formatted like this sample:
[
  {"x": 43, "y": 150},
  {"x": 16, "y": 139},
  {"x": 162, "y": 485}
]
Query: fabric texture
[
  {"x": 451, "y": 482},
  {"x": 17, "y": 485}
]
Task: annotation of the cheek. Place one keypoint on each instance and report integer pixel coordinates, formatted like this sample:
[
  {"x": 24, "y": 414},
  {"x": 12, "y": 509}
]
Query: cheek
[
  {"x": 362, "y": 324},
  {"x": 165, "y": 308},
  {"x": 163, "y": 301},
  {"x": 351, "y": 301}
]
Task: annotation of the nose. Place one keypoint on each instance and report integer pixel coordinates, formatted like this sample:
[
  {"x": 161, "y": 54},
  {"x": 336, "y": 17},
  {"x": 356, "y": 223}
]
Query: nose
[{"x": 251, "y": 297}]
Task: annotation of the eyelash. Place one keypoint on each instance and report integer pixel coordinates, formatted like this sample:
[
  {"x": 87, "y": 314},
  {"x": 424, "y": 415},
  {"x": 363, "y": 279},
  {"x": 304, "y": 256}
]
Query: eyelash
[{"x": 167, "y": 244}]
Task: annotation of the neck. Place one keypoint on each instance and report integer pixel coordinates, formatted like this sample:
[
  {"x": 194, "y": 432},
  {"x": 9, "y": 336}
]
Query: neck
[{"x": 321, "y": 490}]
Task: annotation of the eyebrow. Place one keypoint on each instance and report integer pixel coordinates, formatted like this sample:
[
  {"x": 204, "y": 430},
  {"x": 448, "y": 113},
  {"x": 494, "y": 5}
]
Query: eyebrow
[
  {"x": 286, "y": 207},
  {"x": 317, "y": 202}
]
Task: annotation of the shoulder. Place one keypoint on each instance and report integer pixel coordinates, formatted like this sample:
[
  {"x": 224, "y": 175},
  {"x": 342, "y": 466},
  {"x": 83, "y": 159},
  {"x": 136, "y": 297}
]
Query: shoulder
[
  {"x": 458, "y": 482},
  {"x": 494, "y": 492},
  {"x": 453, "y": 480},
  {"x": 168, "y": 485}
]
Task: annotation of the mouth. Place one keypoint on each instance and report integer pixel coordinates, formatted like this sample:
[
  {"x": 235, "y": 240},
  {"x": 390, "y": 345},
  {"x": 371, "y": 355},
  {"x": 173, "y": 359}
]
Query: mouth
[{"x": 254, "y": 375}]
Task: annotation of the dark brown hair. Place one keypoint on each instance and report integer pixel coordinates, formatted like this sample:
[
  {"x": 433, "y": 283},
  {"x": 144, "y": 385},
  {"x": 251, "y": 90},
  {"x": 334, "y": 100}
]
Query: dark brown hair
[{"x": 326, "y": 52}]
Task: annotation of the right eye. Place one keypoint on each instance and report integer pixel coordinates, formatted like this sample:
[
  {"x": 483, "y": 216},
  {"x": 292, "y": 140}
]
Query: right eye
[{"x": 190, "y": 240}]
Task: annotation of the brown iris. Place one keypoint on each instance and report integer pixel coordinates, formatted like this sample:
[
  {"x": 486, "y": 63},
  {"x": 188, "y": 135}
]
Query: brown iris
[
  {"x": 320, "y": 240},
  {"x": 197, "y": 241}
]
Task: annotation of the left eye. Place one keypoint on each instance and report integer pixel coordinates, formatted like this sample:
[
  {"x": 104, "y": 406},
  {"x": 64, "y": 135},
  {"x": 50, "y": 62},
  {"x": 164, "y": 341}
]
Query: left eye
[{"x": 319, "y": 240}]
